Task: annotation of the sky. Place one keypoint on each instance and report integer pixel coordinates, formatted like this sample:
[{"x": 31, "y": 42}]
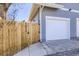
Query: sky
[{"x": 22, "y": 11}]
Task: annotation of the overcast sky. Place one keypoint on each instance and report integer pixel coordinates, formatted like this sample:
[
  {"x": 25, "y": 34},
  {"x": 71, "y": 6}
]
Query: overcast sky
[{"x": 23, "y": 11}]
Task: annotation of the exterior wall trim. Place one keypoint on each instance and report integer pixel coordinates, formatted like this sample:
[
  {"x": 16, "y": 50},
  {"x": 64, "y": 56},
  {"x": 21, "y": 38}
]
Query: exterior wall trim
[
  {"x": 40, "y": 18},
  {"x": 60, "y": 18},
  {"x": 72, "y": 10}
]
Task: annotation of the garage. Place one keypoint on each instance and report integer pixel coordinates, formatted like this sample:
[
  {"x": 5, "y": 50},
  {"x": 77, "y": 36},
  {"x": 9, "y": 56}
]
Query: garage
[
  {"x": 77, "y": 24},
  {"x": 57, "y": 28}
]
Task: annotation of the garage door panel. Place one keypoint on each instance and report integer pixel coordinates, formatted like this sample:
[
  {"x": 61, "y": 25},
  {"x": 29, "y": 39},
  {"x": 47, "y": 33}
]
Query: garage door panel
[
  {"x": 56, "y": 29},
  {"x": 77, "y": 27}
]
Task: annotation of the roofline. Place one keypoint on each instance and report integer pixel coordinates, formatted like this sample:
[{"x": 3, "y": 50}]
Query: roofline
[{"x": 36, "y": 6}]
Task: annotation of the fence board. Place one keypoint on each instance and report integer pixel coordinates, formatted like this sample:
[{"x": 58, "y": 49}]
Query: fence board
[{"x": 15, "y": 36}]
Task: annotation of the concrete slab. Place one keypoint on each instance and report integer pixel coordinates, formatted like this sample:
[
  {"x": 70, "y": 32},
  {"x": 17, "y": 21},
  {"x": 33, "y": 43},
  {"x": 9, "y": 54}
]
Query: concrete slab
[
  {"x": 24, "y": 52},
  {"x": 33, "y": 50},
  {"x": 37, "y": 50},
  {"x": 48, "y": 49},
  {"x": 64, "y": 47},
  {"x": 53, "y": 48}
]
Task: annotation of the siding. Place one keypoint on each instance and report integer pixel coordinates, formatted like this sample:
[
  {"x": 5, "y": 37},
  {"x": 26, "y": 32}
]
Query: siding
[{"x": 60, "y": 13}]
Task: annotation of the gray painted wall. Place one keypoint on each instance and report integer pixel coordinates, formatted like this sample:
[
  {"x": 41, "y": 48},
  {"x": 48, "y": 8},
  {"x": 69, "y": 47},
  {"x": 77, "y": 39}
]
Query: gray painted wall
[
  {"x": 71, "y": 5},
  {"x": 61, "y": 13}
]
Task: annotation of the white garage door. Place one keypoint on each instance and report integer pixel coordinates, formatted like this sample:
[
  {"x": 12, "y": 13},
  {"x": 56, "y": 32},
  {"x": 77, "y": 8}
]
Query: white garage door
[
  {"x": 77, "y": 24},
  {"x": 57, "y": 28}
]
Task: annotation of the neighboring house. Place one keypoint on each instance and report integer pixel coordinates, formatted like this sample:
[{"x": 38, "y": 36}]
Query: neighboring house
[{"x": 57, "y": 21}]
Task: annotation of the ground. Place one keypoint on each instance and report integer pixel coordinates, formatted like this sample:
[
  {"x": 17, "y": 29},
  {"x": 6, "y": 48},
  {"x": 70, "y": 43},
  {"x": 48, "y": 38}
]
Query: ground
[{"x": 52, "y": 48}]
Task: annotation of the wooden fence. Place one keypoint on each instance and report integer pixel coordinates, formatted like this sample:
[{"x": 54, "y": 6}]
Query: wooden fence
[{"x": 14, "y": 36}]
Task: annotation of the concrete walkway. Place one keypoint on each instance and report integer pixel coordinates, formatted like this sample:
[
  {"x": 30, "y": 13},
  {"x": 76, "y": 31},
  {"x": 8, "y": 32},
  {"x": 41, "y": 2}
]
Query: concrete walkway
[
  {"x": 33, "y": 50},
  {"x": 52, "y": 48}
]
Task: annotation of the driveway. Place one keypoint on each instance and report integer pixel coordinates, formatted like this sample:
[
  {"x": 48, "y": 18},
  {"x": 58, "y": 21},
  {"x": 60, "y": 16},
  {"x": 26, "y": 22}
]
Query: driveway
[
  {"x": 64, "y": 47},
  {"x": 52, "y": 48}
]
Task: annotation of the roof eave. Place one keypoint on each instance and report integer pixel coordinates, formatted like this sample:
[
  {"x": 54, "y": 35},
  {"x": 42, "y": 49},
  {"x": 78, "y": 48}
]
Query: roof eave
[{"x": 35, "y": 7}]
